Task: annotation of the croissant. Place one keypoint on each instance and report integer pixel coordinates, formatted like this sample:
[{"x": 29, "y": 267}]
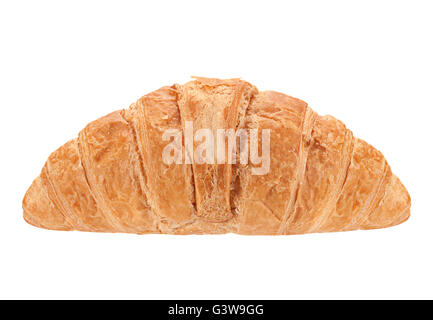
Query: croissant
[{"x": 313, "y": 175}]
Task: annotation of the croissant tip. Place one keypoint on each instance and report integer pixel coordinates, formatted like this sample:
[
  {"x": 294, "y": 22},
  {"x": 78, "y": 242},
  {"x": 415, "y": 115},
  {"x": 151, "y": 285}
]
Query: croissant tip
[
  {"x": 38, "y": 210},
  {"x": 394, "y": 209}
]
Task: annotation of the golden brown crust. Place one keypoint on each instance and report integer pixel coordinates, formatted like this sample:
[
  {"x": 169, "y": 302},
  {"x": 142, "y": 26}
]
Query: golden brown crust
[
  {"x": 40, "y": 211},
  {"x": 113, "y": 178},
  {"x": 393, "y": 208},
  {"x": 112, "y": 167},
  {"x": 329, "y": 154},
  {"x": 263, "y": 199},
  {"x": 170, "y": 188},
  {"x": 64, "y": 166}
]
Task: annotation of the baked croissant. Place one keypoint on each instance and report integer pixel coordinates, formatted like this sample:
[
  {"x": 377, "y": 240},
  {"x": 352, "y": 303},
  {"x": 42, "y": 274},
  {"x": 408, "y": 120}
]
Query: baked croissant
[{"x": 112, "y": 178}]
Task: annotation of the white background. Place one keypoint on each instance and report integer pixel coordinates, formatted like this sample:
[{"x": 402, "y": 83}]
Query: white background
[{"x": 65, "y": 63}]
